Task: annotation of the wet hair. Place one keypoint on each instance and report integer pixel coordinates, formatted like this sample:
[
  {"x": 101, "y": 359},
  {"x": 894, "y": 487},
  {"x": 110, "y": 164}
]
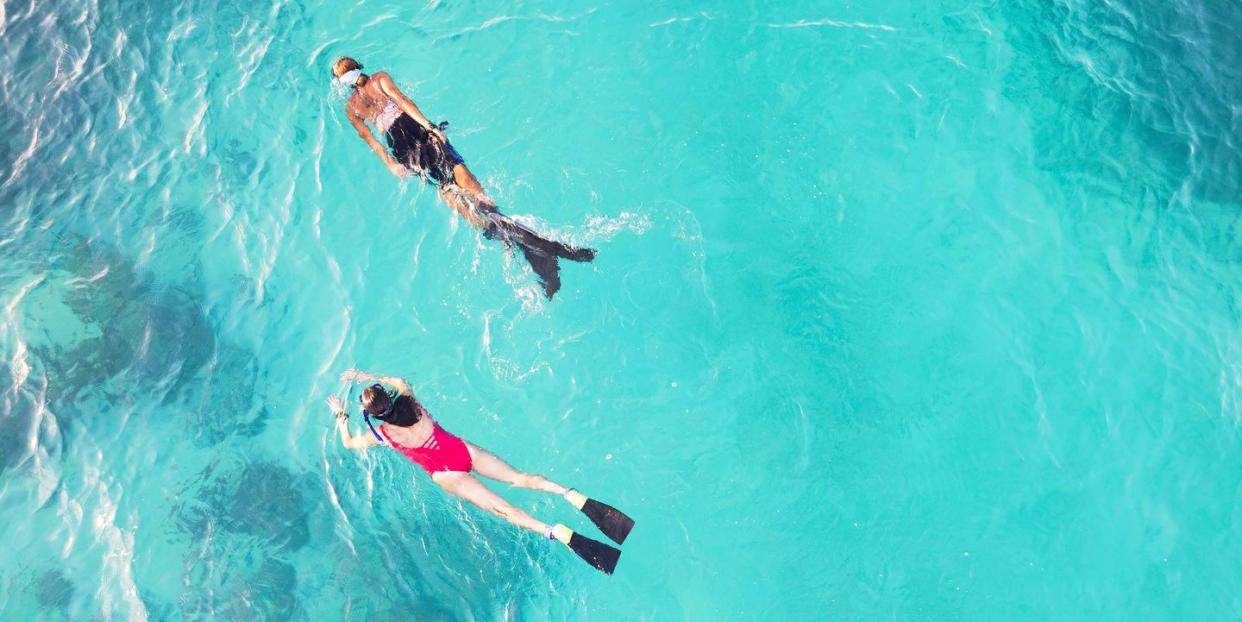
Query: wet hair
[
  {"x": 376, "y": 400},
  {"x": 346, "y": 64},
  {"x": 399, "y": 410}
]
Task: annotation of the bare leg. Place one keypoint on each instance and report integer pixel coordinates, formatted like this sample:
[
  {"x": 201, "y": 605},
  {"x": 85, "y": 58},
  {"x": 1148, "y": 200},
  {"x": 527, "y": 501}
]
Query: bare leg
[
  {"x": 489, "y": 466},
  {"x": 467, "y": 487},
  {"x": 452, "y": 197},
  {"x": 469, "y": 183}
]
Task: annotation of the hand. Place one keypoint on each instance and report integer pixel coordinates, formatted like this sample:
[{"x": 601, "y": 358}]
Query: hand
[
  {"x": 335, "y": 404},
  {"x": 396, "y": 168},
  {"x": 437, "y": 134},
  {"x": 352, "y": 375}
]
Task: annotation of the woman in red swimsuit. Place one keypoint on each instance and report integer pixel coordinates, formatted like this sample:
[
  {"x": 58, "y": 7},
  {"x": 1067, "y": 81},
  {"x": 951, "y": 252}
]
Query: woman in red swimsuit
[{"x": 407, "y": 427}]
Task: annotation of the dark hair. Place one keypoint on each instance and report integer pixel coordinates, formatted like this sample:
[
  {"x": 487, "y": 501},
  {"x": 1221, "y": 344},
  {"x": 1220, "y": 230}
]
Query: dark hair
[
  {"x": 399, "y": 410},
  {"x": 376, "y": 400}
]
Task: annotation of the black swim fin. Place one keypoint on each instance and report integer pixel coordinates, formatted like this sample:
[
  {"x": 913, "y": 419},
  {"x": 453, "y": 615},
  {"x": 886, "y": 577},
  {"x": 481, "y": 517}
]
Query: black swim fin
[
  {"x": 529, "y": 238},
  {"x": 613, "y": 522},
  {"x": 545, "y": 265},
  {"x": 540, "y": 252},
  {"x": 602, "y": 556}
]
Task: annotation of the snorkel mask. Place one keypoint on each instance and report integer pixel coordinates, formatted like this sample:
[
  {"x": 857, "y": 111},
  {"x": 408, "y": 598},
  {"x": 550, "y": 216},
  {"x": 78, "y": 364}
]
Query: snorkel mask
[
  {"x": 350, "y": 78},
  {"x": 401, "y": 417},
  {"x": 382, "y": 416}
]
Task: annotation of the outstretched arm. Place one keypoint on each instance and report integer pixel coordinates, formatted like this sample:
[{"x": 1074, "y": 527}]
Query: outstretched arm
[
  {"x": 365, "y": 132},
  {"x": 350, "y": 441},
  {"x": 353, "y": 375}
]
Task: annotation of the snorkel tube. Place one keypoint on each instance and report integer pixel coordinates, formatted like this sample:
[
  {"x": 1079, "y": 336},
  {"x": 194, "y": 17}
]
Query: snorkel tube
[{"x": 365, "y": 415}]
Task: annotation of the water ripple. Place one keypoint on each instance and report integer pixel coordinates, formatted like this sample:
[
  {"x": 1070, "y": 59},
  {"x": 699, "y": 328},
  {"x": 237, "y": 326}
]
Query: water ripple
[
  {"x": 802, "y": 23},
  {"x": 987, "y": 267}
]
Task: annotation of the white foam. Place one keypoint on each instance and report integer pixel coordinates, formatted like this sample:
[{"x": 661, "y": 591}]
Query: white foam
[{"x": 834, "y": 24}]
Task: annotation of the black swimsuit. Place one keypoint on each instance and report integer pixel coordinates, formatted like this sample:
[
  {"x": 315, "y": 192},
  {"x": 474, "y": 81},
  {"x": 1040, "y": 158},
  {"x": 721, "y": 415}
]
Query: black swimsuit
[{"x": 413, "y": 146}]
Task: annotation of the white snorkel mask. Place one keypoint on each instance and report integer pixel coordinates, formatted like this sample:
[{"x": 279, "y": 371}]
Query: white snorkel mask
[{"x": 350, "y": 78}]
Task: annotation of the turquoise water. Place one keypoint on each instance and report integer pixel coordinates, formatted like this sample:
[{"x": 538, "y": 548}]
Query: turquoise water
[{"x": 901, "y": 311}]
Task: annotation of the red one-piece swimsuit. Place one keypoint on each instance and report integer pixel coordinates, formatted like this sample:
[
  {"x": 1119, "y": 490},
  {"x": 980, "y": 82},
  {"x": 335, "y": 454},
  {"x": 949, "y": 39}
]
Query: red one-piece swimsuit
[{"x": 442, "y": 451}]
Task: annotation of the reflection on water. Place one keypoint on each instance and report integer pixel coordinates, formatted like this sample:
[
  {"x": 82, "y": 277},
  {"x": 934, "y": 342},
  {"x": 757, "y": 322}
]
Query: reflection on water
[
  {"x": 103, "y": 338},
  {"x": 263, "y": 500},
  {"x": 1091, "y": 67},
  {"x": 226, "y": 404},
  {"x": 257, "y": 588},
  {"x": 15, "y": 420},
  {"x": 94, "y": 318},
  {"x": 259, "y": 510},
  {"x": 895, "y": 248}
]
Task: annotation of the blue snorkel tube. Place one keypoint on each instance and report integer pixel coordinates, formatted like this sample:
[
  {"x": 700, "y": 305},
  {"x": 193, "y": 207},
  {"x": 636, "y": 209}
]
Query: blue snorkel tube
[{"x": 365, "y": 415}]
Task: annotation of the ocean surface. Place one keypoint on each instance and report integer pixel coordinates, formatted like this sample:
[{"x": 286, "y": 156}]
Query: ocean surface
[{"x": 902, "y": 311}]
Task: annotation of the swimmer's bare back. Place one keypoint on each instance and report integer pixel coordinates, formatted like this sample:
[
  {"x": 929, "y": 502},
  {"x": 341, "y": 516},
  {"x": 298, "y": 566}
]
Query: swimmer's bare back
[{"x": 416, "y": 146}]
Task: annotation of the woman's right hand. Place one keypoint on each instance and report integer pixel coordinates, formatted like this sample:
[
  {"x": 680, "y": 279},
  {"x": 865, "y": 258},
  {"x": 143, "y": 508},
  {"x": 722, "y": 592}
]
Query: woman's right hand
[
  {"x": 396, "y": 168},
  {"x": 335, "y": 404}
]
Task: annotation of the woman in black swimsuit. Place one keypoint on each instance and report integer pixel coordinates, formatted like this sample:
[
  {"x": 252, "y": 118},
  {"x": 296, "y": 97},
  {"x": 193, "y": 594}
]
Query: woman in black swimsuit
[{"x": 416, "y": 145}]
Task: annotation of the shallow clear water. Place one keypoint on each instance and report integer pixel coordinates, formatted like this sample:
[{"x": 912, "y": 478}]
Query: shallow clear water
[{"x": 901, "y": 311}]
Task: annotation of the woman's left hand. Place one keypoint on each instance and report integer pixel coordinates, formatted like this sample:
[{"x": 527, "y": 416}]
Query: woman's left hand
[{"x": 435, "y": 131}]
